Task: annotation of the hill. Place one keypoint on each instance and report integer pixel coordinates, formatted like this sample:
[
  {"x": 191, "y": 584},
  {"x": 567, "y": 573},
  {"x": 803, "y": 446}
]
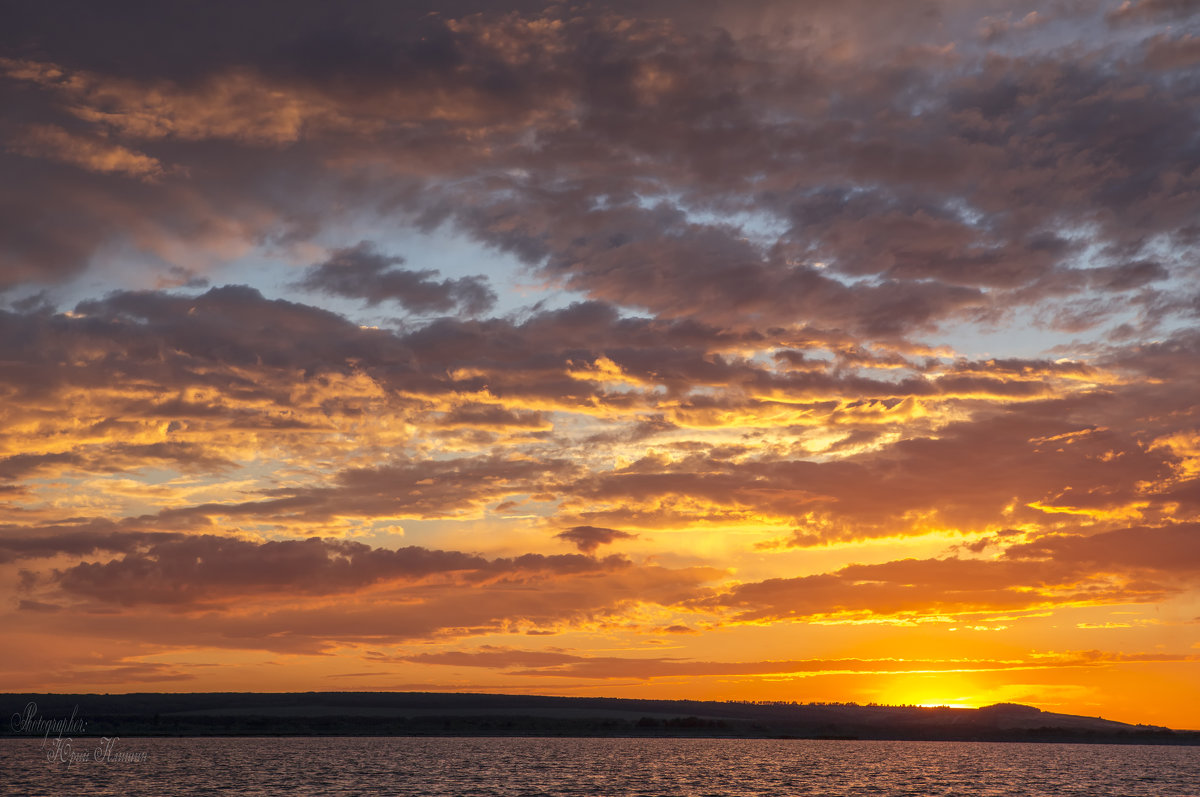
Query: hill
[{"x": 458, "y": 714}]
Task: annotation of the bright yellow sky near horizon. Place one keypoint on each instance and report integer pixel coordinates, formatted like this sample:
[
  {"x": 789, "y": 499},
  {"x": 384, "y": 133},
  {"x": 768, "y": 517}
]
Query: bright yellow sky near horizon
[{"x": 767, "y": 351}]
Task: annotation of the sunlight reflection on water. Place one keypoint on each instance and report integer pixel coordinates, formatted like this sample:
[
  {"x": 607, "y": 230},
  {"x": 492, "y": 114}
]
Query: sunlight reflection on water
[{"x": 516, "y": 767}]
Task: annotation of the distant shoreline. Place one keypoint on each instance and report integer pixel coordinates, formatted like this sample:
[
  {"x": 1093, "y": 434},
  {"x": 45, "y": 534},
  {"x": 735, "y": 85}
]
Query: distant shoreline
[
  {"x": 424, "y": 714},
  {"x": 1185, "y": 738}
]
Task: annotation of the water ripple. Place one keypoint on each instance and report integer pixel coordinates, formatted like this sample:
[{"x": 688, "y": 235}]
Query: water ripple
[{"x": 531, "y": 767}]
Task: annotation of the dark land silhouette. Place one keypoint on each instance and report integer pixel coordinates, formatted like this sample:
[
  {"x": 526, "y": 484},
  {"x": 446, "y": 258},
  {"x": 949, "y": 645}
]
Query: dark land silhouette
[{"x": 457, "y": 714}]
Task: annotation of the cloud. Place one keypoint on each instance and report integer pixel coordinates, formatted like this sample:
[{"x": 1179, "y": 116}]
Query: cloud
[
  {"x": 1151, "y": 10},
  {"x": 563, "y": 664},
  {"x": 511, "y": 125},
  {"x": 77, "y": 541},
  {"x": 995, "y": 468},
  {"x": 131, "y": 599},
  {"x": 1167, "y": 550},
  {"x": 752, "y": 259},
  {"x": 93, "y": 155},
  {"x": 137, "y": 672},
  {"x": 589, "y": 538},
  {"x": 362, "y": 272},
  {"x": 429, "y": 489},
  {"x": 156, "y": 379},
  {"x": 205, "y": 569},
  {"x": 1132, "y": 565},
  {"x": 1180, "y": 52}
]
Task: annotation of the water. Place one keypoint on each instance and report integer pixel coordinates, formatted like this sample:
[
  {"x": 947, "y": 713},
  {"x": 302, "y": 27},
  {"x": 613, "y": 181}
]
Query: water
[{"x": 516, "y": 767}]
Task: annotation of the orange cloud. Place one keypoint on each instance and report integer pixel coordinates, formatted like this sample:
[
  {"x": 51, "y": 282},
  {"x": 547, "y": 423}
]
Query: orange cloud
[{"x": 96, "y": 155}]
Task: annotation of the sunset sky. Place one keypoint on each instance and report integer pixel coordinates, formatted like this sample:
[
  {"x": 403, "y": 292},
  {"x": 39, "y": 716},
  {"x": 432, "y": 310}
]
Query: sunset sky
[{"x": 833, "y": 350}]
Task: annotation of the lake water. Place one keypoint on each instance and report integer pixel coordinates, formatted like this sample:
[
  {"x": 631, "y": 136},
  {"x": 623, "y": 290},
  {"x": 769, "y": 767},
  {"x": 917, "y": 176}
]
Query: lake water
[{"x": 540, "y": 766}]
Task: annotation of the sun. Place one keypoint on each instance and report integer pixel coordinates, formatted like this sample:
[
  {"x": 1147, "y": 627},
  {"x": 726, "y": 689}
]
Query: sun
[{"x": 952, "y": 690}]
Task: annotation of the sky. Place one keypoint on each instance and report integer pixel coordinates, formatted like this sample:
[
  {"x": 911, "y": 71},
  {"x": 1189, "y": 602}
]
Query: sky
[{"x": 813, "y": 351}]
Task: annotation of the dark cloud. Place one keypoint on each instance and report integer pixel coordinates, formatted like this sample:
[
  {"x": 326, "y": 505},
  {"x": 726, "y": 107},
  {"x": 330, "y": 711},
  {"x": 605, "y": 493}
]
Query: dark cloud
[
  {"x": 22, "y": 465},
  {"x": 425, "y": 489},
  {"x": 37, "y": 244},
  {"x": 1167, "y": 550},
  {"x": 1130, "y": 275},
  {"x": 199, "y": 569},
  {"x": 1182, "y": 52},
  {"x": 114, "y": 458},
  {"x": 75, "y": 540},
  {"x": 491, "y": 416},
  {"x": 589, "y": 538},
  {"x": 905, "y": 190},
  {"x": 362, "y": 272},
  {"x": 37, "y": 606},
  {"x": 545, "y": 593}
]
